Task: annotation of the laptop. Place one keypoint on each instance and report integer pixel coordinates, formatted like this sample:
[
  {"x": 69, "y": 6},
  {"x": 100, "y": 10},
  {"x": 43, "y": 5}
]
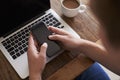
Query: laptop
[{"x": 17, "y": 18}]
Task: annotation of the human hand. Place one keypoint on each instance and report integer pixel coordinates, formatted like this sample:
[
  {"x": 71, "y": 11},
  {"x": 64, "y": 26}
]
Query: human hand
[
  {"x": 36, "y": 59},
  {"x": 68, "y": 41}
]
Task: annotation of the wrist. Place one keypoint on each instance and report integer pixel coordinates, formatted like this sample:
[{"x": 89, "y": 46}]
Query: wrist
[
  {"x": 35, "y": 77},
  {"x": 84, "y": 45}
]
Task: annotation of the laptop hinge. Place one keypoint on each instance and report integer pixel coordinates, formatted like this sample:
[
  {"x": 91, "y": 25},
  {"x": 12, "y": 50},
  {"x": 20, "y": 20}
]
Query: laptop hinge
[
  {"x": 1, "y": 38},
  {"x": 8, "y": 33}
]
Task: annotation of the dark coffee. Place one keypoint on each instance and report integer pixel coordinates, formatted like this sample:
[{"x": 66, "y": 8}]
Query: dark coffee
[{"x": 71, "y": 4}]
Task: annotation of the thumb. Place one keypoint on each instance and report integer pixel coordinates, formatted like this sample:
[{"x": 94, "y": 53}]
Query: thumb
[{"x": 43, "y": 50}]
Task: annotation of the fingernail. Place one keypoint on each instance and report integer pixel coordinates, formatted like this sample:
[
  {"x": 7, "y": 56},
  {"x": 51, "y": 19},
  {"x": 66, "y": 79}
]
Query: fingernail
[
  {"x": 50, "y": 36},
  {"x": 45, "y": 44}
]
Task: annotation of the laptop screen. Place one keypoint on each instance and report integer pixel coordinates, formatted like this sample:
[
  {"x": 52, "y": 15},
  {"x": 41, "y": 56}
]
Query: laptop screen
[{"x": 16, "y": 12}]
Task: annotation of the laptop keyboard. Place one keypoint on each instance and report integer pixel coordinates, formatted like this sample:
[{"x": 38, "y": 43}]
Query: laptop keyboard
[{"x": 17, "y": 44}]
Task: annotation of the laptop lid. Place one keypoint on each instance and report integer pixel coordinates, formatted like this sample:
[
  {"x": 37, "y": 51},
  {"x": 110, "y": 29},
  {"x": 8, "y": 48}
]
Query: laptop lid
[{"x": 18, "y": 12}]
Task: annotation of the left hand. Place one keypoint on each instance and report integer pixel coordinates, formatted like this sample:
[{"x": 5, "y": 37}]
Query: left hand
[{"x": 36, "y": 59}]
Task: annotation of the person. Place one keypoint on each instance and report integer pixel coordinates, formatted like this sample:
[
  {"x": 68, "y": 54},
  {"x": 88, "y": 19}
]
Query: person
[{"x": 107, "y": 13}]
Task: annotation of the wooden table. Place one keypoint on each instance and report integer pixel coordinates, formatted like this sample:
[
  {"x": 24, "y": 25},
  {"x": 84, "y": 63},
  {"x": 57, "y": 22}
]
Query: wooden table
[{"x": 67, "y": 65}]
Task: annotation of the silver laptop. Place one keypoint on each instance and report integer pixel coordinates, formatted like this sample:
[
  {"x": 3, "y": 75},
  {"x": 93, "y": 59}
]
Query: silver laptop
[{"x": 17, "y": 17}]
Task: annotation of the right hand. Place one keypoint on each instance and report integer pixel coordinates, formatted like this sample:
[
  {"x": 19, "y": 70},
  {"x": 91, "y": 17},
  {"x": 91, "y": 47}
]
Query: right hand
[{"x": 68, "y": 41}]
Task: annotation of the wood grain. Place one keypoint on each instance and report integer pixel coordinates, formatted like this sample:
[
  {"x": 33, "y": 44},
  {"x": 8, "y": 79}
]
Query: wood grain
[{"x": 72, "y": 69}]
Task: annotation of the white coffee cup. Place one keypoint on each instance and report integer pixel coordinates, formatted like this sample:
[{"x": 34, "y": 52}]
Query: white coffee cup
[{"x": 72, "y": 12}]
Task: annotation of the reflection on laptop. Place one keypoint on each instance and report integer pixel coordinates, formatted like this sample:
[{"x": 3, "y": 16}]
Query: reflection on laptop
[{"x": 18, "y": 17}]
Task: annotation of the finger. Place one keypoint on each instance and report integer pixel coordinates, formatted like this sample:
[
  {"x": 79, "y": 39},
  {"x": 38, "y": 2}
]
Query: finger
[
  {"x": 57, "y": 37},
  {"x": 31, "y": 45},
  {"x": 57, "y": 30},
  {"x": 43, "y": 50},
  {"x": 35, "y": 41}
]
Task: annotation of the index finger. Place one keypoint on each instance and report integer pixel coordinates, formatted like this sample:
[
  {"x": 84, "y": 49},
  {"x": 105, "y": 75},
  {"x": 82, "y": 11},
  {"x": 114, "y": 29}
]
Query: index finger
[{"x": 57, "y": 30}]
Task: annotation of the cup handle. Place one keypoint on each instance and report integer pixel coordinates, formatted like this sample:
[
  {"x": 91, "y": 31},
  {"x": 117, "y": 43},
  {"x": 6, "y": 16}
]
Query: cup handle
[{"x": 82, "y": 8}]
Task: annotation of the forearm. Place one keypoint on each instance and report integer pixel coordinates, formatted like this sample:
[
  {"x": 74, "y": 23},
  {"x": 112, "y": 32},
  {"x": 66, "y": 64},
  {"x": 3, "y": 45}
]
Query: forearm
[
  {"x": 93, "y": 50},
  {"x": 98, "y": 53}
]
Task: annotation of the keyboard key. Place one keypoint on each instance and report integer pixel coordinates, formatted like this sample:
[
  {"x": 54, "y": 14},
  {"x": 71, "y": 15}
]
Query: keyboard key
[
  {"x": 16, "y": 41},
  {"x": 16, "y": 46},
  {"x": 10, "y": 49},
  {"x": 16, "y": 50},
  {"x": 17, "y": 54},
  {"x": 25, "y": 49},
  {"x": 21, "y": 51},
  {"x": 56, "y": 25},
  {"x": 19, "y": 43},
  {"x": 14, "y": 56},
  {"x": 7, "y": 46},
  {"x": 12, "y": 53},
  {"x": 62, "y": 26},
  {"x": 20, "y": 48}
]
